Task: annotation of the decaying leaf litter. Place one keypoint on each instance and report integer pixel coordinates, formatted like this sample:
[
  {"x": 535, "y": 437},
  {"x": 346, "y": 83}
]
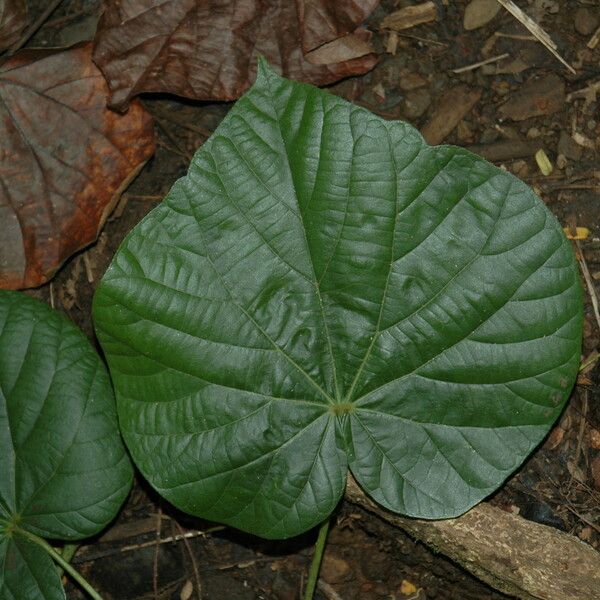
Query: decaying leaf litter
[{"x": 557, "y": 485}]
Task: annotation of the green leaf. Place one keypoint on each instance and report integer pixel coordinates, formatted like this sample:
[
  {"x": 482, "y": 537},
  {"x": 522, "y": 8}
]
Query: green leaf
[
  {"x": 64, "y": 471},
  {"x": 27, "y": 571},
  {"x": 323, "y": 289}
]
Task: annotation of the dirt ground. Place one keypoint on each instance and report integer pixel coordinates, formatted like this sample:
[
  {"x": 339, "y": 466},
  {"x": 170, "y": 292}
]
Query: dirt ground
[{"x": 522, "y": 103}]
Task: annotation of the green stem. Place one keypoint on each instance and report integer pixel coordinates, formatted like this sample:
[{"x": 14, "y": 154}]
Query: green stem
[
  {"x": 67, "y": 552},
  {"x": 315, "y": 565},
  {"x": 60, "y": 560},
  {"x": 591, "y": 360}
]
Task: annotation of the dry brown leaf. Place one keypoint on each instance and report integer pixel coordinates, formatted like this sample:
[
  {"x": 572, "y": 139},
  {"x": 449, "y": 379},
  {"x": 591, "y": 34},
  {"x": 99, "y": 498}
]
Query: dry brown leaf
[
  {"x": 207, "y": 49},
  {"x": 342, "y": 49},
  {"x": 13, "y": 20},
  {"x": 64, "y": 158},
  {"x": 539, "y": 96},
  {"x": 326, "y": 20}
]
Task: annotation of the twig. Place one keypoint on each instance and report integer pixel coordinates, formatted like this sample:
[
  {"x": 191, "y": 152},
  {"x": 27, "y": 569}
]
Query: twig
[
  {"x": 188, "y": 547},
  {"x": 589, "y": 362},
  {"x": 131, "y": 547},
  {"x": 241, "y": 565},
  {"x": 591, "y": 89},
  {"x": 155, "y": 557},
  {"x": 421, "y": 39},
  {"x": 581, "y": 517},
  {"x": 328, "y": 591},
  {"x": 582, "y": 422},
  {"x": 594, "y": 40},
  {"x": 588, "y": 281},
  {"x": 88, "y": 268},
  {"x": 536, "y": 30},
  {"x": 576, "y": 186},
  {"x": 30, "y": 31},
  {"x": 516, "y": 36},
  {"x": 51, "y": 294},
  {"x": 476, "y": 65}
]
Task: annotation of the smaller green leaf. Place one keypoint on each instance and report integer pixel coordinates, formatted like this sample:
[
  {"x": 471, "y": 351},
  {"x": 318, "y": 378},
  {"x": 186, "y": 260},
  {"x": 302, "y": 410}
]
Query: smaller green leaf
[
  {"x": 64, "y": 471},
  {"x": 27, "y": 571}
]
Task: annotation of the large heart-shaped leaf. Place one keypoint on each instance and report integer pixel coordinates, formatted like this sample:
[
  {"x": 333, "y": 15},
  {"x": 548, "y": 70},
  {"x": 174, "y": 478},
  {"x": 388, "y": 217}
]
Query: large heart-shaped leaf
[
  {"x": 324, "y": 289},
  {"x": 64, "y": 471}
]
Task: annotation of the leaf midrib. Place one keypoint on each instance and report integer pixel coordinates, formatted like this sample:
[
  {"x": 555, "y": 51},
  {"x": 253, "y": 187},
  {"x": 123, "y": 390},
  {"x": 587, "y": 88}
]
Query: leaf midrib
[{"x": 338, "y": 395}]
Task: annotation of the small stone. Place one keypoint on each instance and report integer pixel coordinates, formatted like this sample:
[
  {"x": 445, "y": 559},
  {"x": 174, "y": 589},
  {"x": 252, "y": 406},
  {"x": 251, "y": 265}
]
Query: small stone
[
  {"x": 282, "y": 587},
  {"x": 411, "y": 81},
  {"x": 561, "y": 161},
  {"x": 539, "y": 96},
  {"x": 595, "y": 439},
  {"x": 464, "y": 133},
  {"x": 520, "y": 168},
  {"x": 376, "y": 566},
  {"x": 416, "y": 102},
  {"x": 381, "y": 589},
  {"x": 379, "y": 92},
  {"x": 334, "y": 569},
  {"x": 408, "y": 588},
  {"x": 488, "y": 136},
  {"x": 568, "y": 147},
  {"x": 545, "y": 6},
  {"x": 533, "y": 133},
  {"x": 585, "y": 21},
  {"x": 479, "y": 13}
]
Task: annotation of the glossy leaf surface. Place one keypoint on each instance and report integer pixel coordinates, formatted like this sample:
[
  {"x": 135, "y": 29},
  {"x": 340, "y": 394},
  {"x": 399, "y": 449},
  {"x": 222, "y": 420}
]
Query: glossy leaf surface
[
  {"x": 27, "y": 571},
  {"x": 64, "y": 471},
  {"x": 322, "y": 291}
]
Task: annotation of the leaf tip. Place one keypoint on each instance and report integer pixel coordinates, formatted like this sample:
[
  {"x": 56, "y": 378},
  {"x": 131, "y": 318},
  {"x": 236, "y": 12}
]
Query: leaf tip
[{"x": 264, "y": 70}]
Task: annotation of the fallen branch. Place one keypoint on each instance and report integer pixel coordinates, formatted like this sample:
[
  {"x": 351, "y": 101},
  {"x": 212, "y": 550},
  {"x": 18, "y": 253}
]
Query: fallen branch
[{"x": 516, "y": 556}]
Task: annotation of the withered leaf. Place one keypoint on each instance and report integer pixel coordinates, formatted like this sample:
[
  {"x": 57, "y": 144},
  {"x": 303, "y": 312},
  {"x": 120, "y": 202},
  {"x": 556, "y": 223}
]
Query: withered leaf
[
  {"x": 64, "y": 158},
  {"x": 325, "y": 20},
  {"x": 207, "y": 49},
  {"x": 13, "y": 20}
]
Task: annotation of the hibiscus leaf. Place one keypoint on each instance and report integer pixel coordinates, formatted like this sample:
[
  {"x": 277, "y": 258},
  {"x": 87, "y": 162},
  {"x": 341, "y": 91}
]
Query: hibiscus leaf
[
  {"x": 27, "y": 571},
  {"x": 324, "y": 290},
  {"x": 64, "y": 471}
]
